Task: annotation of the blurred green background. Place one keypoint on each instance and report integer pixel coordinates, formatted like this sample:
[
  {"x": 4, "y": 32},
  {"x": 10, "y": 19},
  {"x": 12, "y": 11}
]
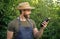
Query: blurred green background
[{"x": 43, "y": 9}]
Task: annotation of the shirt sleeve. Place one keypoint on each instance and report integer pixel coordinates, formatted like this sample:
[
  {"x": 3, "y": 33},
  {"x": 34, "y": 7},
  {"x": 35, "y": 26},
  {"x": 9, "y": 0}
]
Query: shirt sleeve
[{"x": 11, "y": 27}]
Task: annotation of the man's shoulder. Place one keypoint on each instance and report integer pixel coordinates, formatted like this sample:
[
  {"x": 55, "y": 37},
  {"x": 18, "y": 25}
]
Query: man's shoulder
[
  {"x": 13, "y": 21},
  {"x": 32, "y": 20}
]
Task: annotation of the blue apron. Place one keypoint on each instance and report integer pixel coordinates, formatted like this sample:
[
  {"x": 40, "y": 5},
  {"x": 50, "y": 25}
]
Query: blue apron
[{"x": 24, "y": 32}]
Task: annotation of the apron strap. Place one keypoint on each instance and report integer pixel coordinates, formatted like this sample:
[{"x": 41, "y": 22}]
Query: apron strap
[
  {"x": 19, "y": 21},
  {"x": 29, "y": 22}
]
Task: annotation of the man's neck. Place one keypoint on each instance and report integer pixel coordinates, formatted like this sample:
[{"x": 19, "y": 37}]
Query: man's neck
[{"x": 22, "y": 18}]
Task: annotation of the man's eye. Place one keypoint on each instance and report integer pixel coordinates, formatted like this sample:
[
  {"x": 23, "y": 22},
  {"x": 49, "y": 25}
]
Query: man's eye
[
  {"x": 27, "y": 10},
  {"x": 23, "y": 10}
]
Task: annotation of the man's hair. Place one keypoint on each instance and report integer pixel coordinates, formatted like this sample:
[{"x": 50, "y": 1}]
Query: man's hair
[{"x": 20, "y": 11}]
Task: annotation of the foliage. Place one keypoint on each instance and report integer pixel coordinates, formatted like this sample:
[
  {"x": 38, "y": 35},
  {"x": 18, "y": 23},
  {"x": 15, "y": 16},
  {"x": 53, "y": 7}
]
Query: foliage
[{"x": 43, "y": 9}]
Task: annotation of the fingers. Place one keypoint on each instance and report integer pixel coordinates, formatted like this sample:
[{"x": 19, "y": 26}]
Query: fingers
[{"x": 44, "y": 24}]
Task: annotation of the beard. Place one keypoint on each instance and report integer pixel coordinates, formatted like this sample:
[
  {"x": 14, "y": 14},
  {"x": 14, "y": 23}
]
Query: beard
[{"x": 27, "y": 16}]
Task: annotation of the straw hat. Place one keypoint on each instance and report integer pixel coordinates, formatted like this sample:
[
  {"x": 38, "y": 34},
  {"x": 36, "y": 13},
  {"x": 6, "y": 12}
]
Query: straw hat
[{"x": 24, "y": 5}]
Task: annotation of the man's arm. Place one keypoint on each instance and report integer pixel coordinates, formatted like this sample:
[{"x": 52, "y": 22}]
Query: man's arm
[
  {"x": 38, "y": 34},
  {"x": 10, "y": 30},
  {"x": 9, "y": 34}
]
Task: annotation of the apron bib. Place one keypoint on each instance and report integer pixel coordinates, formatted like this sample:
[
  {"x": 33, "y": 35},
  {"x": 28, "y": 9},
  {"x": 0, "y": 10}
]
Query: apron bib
[{"x": 24, "y": 32}]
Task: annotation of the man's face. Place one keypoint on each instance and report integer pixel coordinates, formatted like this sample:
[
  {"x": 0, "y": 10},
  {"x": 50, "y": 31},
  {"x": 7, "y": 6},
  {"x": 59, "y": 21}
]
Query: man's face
[{"x": 26, "y": 13}]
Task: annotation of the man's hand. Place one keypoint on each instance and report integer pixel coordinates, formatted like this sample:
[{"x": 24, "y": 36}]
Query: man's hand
[{"x": 44, "y": 24}]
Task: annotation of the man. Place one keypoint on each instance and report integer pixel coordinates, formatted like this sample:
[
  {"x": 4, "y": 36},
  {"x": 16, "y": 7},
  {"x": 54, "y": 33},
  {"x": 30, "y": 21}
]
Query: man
[{"x": 23, "y": 27}]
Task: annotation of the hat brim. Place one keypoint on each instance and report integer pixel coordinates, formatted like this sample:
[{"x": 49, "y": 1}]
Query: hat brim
[{"x": 26, "y": 8}]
